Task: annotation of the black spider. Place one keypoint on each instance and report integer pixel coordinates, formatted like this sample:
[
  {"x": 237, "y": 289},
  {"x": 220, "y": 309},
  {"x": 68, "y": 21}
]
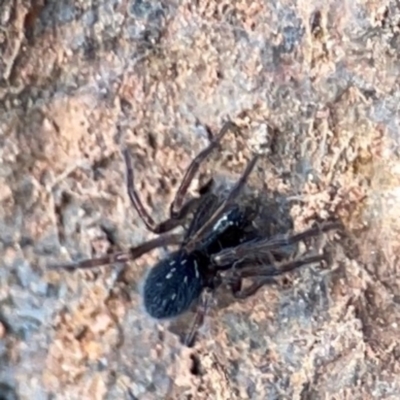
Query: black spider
[{"x": 220, "y": 246}]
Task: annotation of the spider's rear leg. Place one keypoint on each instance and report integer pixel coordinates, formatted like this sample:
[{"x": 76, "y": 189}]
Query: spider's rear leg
[
  {"x": 263, "y": 274},
  {"x": 123, "y": 256},
  {"x": 176, "y": 205},
  {"x": 251, "y": 251},
  {"x": 201, "y": 312},
  {"x": 240, "y": 293}
]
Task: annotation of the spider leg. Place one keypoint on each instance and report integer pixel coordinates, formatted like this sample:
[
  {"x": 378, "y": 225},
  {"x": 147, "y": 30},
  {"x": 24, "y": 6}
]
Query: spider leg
[
  {"x": 272, "y": 270},
  {"x": 253, "y": 249},
  {"x": 201, "y": 312},
  {"x": 176, "y": 205},
  {"x": 240, "y": 293},
  {"x": 122, "y": 256},
  {"x": 232, "y": 195},
  {"x": 203, "y": 212},
  {"x": 263, "y": 275},
  {"x": 151, "y": 225}
]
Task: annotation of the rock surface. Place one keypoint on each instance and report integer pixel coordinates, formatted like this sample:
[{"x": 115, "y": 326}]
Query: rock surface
[{"x": 314, "y": 84}]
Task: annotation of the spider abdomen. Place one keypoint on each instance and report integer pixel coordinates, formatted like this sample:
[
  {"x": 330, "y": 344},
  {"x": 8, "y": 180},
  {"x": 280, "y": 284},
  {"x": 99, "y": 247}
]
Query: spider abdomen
[{"x": 172, "y": 285}]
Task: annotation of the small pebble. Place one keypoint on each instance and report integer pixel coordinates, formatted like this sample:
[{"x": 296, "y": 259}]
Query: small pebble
[{"x": 2, "y": 331}]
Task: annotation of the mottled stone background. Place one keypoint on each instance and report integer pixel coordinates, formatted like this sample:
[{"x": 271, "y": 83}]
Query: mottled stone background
[{"x": 315, "y": 83}]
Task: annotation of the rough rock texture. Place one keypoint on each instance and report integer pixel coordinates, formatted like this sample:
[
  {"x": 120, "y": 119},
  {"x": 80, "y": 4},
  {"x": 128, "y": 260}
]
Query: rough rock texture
[{"x": 316, "y": 84}]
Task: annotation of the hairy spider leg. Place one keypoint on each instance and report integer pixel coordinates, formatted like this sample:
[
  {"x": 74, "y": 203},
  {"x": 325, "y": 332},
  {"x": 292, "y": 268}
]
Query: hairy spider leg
[
  {"x": 203, "y": 212},
  {"x": 253, "y": 249},
  {"x": 176, "y": 205},
  {"x": 232, "y": 195},
  {"x": 151, "y": 225},
  {"x": 201, "y": 312},
  {"x": 263, "y": 275},
  {"x": 123, "y": 256},
  {"x": 177, "y": 211},
  {"x": 252, "y": 289}
]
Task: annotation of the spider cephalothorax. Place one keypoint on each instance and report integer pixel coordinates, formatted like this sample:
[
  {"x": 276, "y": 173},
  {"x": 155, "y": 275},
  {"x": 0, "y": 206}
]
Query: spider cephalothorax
[{"x": 221, "y": 245}]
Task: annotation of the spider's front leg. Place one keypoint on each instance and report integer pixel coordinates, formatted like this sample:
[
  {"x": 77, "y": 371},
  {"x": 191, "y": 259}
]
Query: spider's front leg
[
  {"x": 176, "y": 205},
  {"x": 151, "y": 225},
  {"x": 178, "y": 208}
]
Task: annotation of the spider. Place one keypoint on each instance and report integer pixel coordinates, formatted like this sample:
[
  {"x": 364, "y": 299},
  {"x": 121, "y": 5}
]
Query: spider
[{"x": 221, "y": 245}]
